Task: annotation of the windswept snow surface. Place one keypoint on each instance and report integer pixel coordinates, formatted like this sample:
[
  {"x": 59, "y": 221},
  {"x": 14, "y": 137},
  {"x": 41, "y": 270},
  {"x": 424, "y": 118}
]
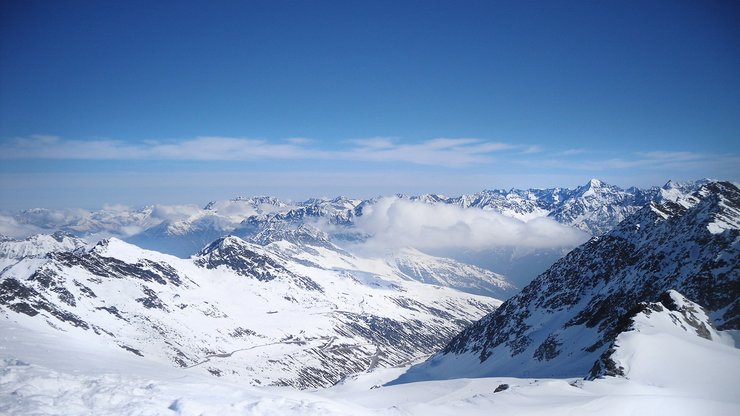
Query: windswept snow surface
[{"x": 44, "y": 372}]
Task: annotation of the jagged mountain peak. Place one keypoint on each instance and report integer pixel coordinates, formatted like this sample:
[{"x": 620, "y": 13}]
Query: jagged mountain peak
[
  {"x": 249, "y": 260},
  {"x": 595, "y": 183},
  {"x": 595, "y": 187}
]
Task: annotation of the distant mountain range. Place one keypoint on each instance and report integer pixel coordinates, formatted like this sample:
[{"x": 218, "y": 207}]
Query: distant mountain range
[{"x": 595, "y": 207}]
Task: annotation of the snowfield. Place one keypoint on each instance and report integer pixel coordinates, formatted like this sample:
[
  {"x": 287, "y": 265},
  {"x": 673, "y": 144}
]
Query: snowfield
[{"x": 44, "y": 372}]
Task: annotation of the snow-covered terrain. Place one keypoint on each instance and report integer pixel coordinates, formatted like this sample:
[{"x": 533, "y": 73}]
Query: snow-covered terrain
[
  {"x": 283, "y": 314},
  {"x": 45, "y": 372},
  {"x": 279, "y": 312},
  {"x": 561, "y": 323}
]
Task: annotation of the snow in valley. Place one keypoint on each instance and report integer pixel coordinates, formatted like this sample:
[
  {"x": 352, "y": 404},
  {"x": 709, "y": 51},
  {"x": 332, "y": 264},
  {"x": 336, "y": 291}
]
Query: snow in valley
[{"x": 46, "y": 373}]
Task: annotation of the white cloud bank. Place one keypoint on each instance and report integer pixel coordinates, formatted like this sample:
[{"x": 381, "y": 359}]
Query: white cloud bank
[{"x": 395, "y": 223}]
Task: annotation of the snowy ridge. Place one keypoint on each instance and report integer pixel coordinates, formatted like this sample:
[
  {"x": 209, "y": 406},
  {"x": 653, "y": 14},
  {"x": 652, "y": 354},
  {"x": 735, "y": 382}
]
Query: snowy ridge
[
  {"x": 239, "y": 310},
  {"x": 672, "y": 315},
  {"x": 39, "y": 245},
  {"x": 562, "y": 322}
]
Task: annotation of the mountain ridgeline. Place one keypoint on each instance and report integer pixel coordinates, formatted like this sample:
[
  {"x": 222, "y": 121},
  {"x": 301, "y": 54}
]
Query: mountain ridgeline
[
  {"x": 566, "y": 321},
  {"x": 595, "y": 207}
]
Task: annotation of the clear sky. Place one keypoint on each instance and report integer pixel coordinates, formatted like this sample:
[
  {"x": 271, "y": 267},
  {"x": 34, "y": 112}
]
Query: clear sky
[{"x": 139, "y": 102}]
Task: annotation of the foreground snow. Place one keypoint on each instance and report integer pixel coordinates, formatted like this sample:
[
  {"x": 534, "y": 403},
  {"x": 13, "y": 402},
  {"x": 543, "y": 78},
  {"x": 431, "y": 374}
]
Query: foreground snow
[{"x": 47, "y": 373}]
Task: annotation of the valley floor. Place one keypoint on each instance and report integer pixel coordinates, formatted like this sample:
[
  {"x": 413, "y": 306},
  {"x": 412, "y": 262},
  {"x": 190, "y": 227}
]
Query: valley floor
[{"x": 43, "y": 372}]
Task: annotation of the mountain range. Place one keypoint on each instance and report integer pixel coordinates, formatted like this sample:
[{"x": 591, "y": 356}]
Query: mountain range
[
  {"x": 284, "y": 313},
  {"x": 274, "y": 298},
  {"x": 595, "y": 208}
]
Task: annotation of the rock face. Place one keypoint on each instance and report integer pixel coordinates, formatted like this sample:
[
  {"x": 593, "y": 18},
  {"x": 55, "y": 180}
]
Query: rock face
[
  {"x": 564, "y": 320},
  {"x": 279, "y": 314}
]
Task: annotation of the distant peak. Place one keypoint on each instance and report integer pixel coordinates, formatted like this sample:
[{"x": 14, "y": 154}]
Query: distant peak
[
  {"x": 222, "y": 243},
  {"x": 595, "y": 183},
  {"x": 230, "y": 240}
]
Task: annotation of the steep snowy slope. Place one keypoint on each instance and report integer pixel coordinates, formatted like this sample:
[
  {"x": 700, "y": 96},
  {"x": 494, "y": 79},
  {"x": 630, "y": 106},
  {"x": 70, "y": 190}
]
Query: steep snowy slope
[
  {"x": 561, "y": 323},
  {"x": 240, "y": 310},
  {"x": 451, "y": 273}
]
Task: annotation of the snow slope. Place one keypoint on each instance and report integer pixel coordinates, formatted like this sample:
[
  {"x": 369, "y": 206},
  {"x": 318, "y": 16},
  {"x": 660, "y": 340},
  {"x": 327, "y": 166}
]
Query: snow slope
[
  {"x": 451, "y": 273},
  {"x": 561, "y": 323},
  {"x": 45, "y": 372}
]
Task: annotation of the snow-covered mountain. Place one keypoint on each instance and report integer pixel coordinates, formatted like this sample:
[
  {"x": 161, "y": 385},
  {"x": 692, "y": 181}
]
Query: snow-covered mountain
[
  {"x": 595, "y": 207},
  {"x": 112, "y": 328},
  {"x": 280, "y": 314},
  {"x": 598, "y": 207},
  {"x": 564, "y": 320},
  {"x": 38, "y": 245}
]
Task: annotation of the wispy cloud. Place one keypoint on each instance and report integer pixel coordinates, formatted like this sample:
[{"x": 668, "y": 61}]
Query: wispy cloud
[
  {"x": 654, "y": 160},
  {"x": 532, "y": 149},
  {"x": 571, "y": 152},
  {"x": 438, "y": 151}
]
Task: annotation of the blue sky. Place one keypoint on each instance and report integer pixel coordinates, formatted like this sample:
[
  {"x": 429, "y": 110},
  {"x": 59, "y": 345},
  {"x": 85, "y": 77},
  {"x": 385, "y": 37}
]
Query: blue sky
[{"x": 141, "y": 102}]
